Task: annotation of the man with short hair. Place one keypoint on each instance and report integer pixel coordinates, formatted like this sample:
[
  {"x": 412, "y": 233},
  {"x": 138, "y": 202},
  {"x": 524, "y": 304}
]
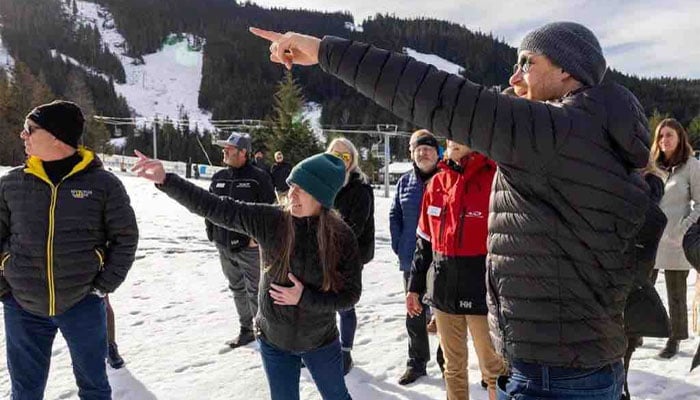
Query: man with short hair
[
  {"x": 68, "y": 237},
  {"x": 566, "y": 201},
  {"x": 280, "y": 171},
  {"x": 239, "y": 254},
  {"x": 403, "y": 221}
]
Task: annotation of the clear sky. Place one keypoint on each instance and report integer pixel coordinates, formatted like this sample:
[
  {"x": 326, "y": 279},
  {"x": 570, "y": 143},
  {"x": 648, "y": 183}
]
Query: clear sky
[{"x": 649, "y": 38}]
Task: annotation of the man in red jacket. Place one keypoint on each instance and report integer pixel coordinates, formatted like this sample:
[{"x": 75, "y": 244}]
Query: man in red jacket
[{"x": 449, "y": 265}]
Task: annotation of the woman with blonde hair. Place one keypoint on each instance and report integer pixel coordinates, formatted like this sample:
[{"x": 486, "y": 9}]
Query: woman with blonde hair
[
  {"x": 355, "y": 202},
  {"x": 673, "y": 154}
]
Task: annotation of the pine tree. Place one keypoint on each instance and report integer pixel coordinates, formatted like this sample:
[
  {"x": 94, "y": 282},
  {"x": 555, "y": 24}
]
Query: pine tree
[
  {"x": 694, "y": 132},
  {"x": 655, "y": 120},
  {"x": 41, "y": 92},
  {"x": 95, "y": 135},
  {"x": 291, "y": 133}
]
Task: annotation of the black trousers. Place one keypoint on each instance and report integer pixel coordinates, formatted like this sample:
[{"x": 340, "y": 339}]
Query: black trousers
[
  {"x": 418, "y": 344},
  {"x": 676, "y": 289}
]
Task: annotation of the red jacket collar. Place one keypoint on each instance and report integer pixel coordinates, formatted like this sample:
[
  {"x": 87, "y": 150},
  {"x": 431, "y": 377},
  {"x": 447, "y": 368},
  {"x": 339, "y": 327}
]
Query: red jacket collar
[{"x": 468, "y": 165}]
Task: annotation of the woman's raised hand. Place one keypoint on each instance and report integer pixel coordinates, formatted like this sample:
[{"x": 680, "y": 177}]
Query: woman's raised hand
[
  {"x": 149, "y": 168},
  {"x": 290, "y": 48}
]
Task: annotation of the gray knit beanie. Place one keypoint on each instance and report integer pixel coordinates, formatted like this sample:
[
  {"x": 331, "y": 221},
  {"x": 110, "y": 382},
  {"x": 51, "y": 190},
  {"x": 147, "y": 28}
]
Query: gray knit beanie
[{"x": 571, "y": 46}]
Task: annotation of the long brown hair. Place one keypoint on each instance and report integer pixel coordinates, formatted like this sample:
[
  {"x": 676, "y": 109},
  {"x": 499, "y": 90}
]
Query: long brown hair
[
  {"x": 329, "y": 237},
  {"x": 683, "y": 151}
]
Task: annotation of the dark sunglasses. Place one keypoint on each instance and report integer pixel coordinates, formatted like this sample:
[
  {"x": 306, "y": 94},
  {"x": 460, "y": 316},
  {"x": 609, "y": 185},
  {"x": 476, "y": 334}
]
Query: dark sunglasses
[
  {"x": 524, "y": 64},
  {"x": 343, "y": 156},
  {"x": 29, "y": 129}
]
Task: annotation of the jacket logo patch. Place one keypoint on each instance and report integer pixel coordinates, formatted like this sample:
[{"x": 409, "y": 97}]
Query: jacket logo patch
[
  {"x": 221, "y": 185},
  {"x": 434, "y": 211},
  {"x": 474, "y": 214},
  {"x": 81, "y": 194},
  {"x": 243, "y": 185},
  {"x": 465, "y": 304}
]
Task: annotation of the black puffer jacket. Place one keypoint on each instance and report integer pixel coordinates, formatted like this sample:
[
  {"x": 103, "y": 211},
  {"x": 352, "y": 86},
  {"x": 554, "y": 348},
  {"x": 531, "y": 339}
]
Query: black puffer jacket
[
  {"x": 565, "y": 203},
  {"x": 355, "y": 202},
  {"x": 311, "y": 323},
  {"x": 59, "y": 242},
  {"x": 247, "y": 183}
]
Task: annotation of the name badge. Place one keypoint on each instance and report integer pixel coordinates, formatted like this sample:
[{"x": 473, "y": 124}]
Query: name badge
[
  {"x": 221, "y": 185},
  {"x": 434, "y": 211}
]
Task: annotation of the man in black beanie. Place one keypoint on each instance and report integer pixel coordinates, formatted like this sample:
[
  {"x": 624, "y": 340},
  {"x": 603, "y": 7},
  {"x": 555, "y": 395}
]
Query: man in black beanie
[
  {"x": 68, "y": 237},
  {"x": 566, "y": 200}
]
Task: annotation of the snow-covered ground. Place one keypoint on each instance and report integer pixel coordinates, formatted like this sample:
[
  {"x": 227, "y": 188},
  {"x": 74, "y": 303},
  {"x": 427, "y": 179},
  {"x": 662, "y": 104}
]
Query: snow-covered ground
[
  {"x": 174, "y": 314},
  {"x": 353, "y": 28},
  {"x": 165, "y": 83},
  {"x": 68, "y": 59},
  {"x": 437, "y": 61}
]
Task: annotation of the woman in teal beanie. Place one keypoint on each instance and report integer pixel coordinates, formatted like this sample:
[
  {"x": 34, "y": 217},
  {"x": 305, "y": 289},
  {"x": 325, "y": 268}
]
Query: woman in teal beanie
[{"x": 311, "y": 269}]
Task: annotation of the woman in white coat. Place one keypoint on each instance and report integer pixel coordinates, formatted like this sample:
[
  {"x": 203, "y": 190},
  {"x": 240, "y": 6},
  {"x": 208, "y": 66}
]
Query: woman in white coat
[{"x": 673, "y": 154}]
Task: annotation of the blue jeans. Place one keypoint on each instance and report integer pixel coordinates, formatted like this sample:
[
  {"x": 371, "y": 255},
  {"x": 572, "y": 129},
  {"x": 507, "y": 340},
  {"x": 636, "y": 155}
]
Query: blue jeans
[
  {"x": 348, "y": 326},
  {"x": 532, "y": 381},
  {"x": 283, "y": 369},
  {"x": 29, "y": 339}
]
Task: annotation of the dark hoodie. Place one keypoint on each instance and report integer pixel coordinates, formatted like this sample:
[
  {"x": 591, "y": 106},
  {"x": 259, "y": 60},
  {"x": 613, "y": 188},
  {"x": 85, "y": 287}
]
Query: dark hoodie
[
  {"x": 565, "y": 204},
  {"x": 355, "y": 202}
]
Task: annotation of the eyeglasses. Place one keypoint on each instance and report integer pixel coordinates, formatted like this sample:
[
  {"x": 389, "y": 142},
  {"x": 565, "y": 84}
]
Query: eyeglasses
[
  {"x": 524, "y": 64},
  {"x": 29, "y": 129},
  {"x": 343, "y": 156}
]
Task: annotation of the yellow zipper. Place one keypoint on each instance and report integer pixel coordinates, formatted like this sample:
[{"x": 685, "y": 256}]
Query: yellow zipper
[
  {"x": 49, "y": 251},
  {"x": 2, "y": 263},
  {"x": 101, "y": 258},
  {"x": 35, "y": 167}
]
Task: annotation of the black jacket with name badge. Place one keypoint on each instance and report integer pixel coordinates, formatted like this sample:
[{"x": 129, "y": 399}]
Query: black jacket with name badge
[{"x": 249, "y": 184}]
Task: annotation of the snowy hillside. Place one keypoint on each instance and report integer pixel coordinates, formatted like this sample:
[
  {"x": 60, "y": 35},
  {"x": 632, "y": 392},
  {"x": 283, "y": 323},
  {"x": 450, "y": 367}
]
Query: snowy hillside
[
  {"x": 437, "y": 61},
  {"x": 165, "y": 83},
  {"x": 174, "y": 314},
  {"x": 6, "y": 61}
]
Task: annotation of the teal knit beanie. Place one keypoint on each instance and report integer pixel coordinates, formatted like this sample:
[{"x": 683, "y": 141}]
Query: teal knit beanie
[{"x": 321, "y": 176}]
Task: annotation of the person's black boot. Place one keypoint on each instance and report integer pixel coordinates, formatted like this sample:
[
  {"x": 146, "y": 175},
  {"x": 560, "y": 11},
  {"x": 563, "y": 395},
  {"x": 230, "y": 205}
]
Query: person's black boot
[
  {"x": 347, "y": 362},
  {"x": 113, "y": 358},
  {"x": 670, "y": 350},
  {"x": 244, "y": 337},
  {"x": 411, "y": 375}
]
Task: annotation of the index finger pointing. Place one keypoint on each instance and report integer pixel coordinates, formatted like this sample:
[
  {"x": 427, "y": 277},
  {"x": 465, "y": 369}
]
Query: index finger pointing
[
  {"x": 140, "y": 155},
  {"x": 269, "y": 35}
]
